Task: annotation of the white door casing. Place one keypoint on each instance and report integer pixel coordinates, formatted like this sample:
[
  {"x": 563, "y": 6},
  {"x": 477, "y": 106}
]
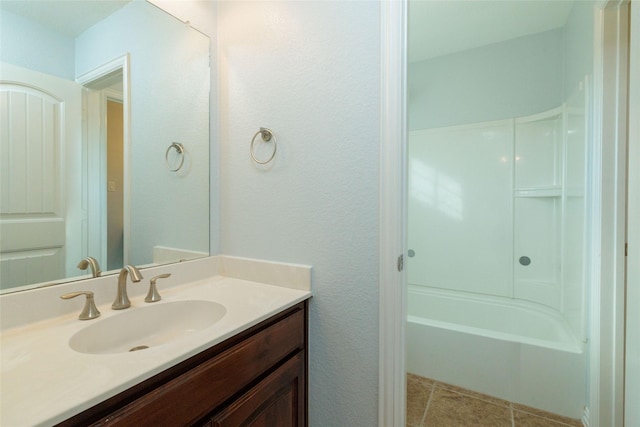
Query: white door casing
[
  {"x": 392, "y": 190},
  {"x": 632, "y": 356},
  {"x": 96, "y": 95},
  {"x": 607, "y": 216}
]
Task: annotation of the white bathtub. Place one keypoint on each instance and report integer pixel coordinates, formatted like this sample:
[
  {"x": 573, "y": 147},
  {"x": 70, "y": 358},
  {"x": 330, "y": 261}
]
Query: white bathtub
[{"x": 513, "y": 350}]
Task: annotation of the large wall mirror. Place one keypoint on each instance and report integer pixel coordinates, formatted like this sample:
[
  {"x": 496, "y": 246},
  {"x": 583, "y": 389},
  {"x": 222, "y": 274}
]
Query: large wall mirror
[{"x": 104, "y": 139}]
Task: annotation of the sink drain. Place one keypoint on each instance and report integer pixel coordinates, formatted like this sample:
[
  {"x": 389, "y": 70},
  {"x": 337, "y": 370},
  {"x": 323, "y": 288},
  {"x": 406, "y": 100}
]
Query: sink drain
[{"x": 138, "y": 347}]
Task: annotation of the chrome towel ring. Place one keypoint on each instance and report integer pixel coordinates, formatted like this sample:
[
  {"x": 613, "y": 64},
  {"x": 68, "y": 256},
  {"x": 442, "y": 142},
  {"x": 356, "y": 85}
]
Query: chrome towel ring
[
  {"x": 267, "y": 136},
  {"x": 180, "y": 150}
]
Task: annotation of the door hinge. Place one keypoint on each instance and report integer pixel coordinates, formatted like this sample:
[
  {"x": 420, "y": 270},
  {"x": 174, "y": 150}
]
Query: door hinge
[
  {"x": 626, "y": 249},
  {"x": 401, "y": 262}
]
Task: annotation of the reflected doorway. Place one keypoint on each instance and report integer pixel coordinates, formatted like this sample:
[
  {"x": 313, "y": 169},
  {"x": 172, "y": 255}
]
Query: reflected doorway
[
  {"x": 106, "y": 164},
  {"x": 115, "y": 175}
]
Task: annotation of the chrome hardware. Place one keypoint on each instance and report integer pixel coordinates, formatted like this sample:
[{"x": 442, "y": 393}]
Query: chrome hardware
[
  {"x": 90, "y": 311},
  {"x": 401, "y": 263},
  {"x": 122, "y": 299},
  {"x": 90, "y": 262},
  {"x": 153, "y": 295},
  {"x": 266, "y": 135},
  {"x": 180, "y": 152}
]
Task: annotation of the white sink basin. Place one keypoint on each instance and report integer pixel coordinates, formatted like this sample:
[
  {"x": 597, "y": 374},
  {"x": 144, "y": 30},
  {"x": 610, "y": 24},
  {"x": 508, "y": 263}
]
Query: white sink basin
[{"x": 146, "y": 327}]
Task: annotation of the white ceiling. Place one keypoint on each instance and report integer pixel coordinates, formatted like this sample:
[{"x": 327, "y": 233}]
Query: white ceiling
[
  {"x": 70, "y": 17},
  {"x": 441, "y": 27}
]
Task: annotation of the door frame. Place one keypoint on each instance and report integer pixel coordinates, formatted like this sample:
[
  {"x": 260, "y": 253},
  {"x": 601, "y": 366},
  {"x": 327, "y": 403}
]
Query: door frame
[
  {"x": 607, "y": 212},
  {"x": 96, "y": 207},
  {"x": 392, "y": 196},
  {"x": 632, "y": 343}
]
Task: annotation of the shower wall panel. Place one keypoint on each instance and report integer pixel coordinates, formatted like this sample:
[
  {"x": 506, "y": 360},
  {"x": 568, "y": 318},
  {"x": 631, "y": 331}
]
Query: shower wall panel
[
  {"x": 574, "y": 221},
  {"x": 498, "y": 208},
  {"x": 460, "y": 207},
  {"x": 538, "y": 208}
]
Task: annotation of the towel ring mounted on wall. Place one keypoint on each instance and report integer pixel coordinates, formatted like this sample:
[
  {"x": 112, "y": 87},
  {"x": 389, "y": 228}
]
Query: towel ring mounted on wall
[
  {"x": 267, "y": 136},
  {"x": 180, "y": 150}
]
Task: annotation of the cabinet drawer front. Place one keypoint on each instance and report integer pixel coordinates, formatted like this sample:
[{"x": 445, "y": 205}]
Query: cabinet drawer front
[
  {"x": 192, "y": 395},
  {"x": 278, "y": 400}
]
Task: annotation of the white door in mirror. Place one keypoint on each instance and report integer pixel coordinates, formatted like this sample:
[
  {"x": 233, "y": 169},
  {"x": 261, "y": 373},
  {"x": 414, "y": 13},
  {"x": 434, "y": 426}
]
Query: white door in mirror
[{"x": 37, "y": 113}]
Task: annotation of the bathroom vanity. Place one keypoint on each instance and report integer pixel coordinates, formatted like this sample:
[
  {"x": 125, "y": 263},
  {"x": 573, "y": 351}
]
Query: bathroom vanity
[
  {"x": 257, "y": 376},
  {"x": 244, "y": 362}
]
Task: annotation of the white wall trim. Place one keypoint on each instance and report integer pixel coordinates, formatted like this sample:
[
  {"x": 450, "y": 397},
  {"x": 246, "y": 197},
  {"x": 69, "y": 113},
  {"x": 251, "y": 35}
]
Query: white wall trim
[
  {"x": 632, "y": 344},
  {"x": 607, "y": 212},
  {"x": 121, "y": 63},
  {"x": 586, "y": 420},
  {"x": 391, "y": 377}
]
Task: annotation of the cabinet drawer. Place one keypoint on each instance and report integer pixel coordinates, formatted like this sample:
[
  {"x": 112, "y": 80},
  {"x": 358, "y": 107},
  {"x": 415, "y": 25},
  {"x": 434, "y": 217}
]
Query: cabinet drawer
[
  {"x": 189, "y": 397},
  {"x": 278, "y": 400}
]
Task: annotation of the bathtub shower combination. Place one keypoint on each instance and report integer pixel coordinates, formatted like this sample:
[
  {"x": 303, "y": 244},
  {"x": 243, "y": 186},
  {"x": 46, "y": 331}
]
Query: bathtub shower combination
[
  {"x": 511, "y": 350},
  {"x": 496, "y": 299}
]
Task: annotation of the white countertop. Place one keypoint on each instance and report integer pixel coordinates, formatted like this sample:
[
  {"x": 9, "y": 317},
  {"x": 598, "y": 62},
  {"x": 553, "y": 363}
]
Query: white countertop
[{"x": 43, "y": 381}]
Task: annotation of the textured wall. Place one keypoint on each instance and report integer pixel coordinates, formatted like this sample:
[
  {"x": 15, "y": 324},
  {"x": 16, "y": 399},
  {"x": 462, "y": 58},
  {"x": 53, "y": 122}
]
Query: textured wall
[
  {"x": 310, "y": 72},
  {"x": 515, "y": 78},
  {"x": 31, "y": 45}
]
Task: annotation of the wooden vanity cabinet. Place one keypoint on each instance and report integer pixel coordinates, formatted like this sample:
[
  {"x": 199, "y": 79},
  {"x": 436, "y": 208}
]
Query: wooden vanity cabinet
[{"x": 256, "y": 378}]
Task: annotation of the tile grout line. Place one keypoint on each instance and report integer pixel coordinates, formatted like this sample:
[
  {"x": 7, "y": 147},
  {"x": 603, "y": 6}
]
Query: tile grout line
[
  {"x": 426, "y": 408},
  {"x": 513, "y": 418}
]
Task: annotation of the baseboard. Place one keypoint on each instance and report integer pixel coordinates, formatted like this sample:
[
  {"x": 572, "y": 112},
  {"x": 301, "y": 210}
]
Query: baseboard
[{"x": 585, "y": 417}]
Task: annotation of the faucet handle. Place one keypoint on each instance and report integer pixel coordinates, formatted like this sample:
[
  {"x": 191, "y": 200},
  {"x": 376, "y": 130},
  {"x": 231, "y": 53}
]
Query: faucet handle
[
  {"x": 153, "y": 295},
  {"x": 90, "y": 311}
]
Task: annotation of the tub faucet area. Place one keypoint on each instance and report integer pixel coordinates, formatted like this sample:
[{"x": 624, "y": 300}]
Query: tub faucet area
[{"x": 122, "y": 299}]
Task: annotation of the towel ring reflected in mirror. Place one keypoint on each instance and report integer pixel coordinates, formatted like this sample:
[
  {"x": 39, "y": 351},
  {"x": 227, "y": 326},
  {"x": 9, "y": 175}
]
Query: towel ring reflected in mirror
[
  {"x": 267, "y": 136},
  {"x": 180, "y": 152}
]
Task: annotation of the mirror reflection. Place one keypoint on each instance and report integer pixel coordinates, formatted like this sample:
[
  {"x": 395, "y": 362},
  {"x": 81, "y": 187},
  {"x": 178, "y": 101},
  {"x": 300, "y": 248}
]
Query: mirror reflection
[{"x": 96, "y": 97}]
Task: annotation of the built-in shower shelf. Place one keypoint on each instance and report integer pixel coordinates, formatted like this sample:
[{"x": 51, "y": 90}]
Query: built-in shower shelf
[{"x": 547, "y": 191}]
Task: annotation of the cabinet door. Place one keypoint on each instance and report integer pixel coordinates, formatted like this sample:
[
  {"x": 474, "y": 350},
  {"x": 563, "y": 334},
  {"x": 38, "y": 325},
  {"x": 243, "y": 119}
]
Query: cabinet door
[
  {"x": 277, "y": 401},
  {"x": 185, "y": 398}
]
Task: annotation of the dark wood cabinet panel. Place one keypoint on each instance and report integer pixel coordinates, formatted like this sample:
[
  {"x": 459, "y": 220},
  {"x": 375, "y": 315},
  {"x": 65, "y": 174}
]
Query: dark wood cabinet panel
[
  {"x": 278, "y": 400},
  {"x": 259, "y": 375}
]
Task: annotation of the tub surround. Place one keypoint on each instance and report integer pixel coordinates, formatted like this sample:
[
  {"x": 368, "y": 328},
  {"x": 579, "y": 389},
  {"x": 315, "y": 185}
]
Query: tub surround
[
  {"x": 44, "y": 381},
  {"x": 518, "y": 353}
]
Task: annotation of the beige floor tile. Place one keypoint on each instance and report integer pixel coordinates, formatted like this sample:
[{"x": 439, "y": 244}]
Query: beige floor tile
[
  {"x": 418, "y": 393},
  {"x": 559, "y": 418},
  {"x": 475, "y": 394},
  {"x": 451, "y": 409},
  {"x": 524, "y": 419},
  {"x": 418, "y": 378}
]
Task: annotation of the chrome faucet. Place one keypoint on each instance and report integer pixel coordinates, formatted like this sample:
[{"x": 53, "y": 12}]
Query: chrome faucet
[
  {"x": 90, "y": 262},
  {"x": 122, "y": 299}
]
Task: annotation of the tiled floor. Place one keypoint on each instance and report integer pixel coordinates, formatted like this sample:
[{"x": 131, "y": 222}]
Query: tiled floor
[{"x": 435, "y": 404}]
